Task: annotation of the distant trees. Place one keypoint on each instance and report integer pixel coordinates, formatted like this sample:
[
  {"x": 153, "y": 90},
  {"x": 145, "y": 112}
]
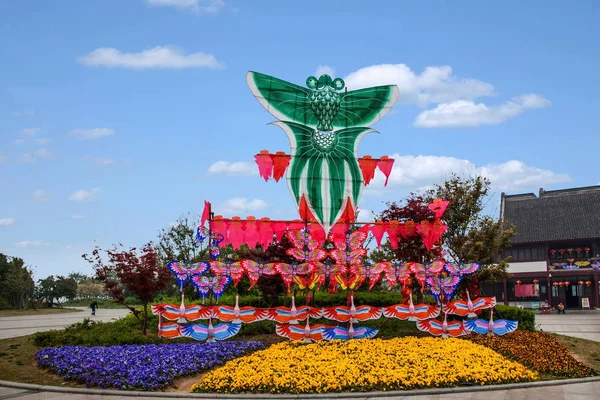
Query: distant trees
[
  {"x": 16, "y": 282},
  {"x": 142, "y": 275},
  {"x": 51, "y": 288}
]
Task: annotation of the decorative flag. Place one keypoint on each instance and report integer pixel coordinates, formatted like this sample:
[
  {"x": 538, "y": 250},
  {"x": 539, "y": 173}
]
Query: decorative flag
[
  {"x": 385, "y": 165},
  {"x": 265, "y": 164},
  {"x": 280, "y": 163},
  {"x": 367, "y": 166}
]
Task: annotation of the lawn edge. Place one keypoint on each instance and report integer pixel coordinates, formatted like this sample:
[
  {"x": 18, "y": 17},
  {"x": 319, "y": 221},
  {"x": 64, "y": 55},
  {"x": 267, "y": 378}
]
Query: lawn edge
[{"x": 414, "y": 392}]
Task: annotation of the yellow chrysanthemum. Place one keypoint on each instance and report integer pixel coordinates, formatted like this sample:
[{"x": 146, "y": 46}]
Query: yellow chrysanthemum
[{"x": 363, "y": 365}]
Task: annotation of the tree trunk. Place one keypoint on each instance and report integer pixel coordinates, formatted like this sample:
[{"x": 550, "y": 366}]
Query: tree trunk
[{"x": 145, "y": 321}]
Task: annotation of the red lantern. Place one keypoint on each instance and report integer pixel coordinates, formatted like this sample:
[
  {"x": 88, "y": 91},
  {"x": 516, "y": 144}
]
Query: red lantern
[
  {"x": 536, "y": 281},
  {"x": 567, "y": 283},
  {"x": 588, "y": 283},
  {"x": 555, "y": 284},
  {"x": 561, "y": 284},
  {"x": 518, "y": 282},
  {"x": 580, "y": 283}
]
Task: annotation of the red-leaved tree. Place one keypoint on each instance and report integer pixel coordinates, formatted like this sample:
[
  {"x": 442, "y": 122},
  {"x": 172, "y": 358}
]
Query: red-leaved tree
[{"x": 141, "y": 275}]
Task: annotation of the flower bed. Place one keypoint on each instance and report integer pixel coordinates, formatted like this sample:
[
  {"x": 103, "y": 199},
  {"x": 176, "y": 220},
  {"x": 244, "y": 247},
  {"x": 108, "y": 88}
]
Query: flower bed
[
  {"x": 537, "y": 350},
  {"x": 146, "y": 367},
  {"x": 363, "y": 365}
]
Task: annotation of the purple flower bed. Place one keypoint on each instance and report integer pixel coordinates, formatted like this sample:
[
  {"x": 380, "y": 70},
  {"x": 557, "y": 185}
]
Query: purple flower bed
[{"x": 145, "y": 367}]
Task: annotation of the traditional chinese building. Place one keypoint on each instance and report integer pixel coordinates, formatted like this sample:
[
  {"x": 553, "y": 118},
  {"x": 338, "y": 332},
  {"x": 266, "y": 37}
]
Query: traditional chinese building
[{"x": 556, "y": 250}]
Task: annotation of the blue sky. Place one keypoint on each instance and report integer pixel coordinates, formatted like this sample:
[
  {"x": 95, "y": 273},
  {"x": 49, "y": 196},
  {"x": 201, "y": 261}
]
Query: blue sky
[{"x": 116, "y": 117}]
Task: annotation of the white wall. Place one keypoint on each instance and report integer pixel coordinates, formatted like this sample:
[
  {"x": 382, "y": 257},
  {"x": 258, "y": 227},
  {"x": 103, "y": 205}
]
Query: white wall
[{"x": 528, "y": 266}]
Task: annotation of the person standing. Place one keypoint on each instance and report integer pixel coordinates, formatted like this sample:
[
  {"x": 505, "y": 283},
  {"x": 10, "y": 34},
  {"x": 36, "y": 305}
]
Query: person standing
[{"x": 93, "y": 306}]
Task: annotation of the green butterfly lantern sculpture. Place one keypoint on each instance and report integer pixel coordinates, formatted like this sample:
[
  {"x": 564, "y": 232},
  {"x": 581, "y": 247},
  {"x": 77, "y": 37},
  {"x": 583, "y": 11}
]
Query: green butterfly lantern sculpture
[{"x": 324, "y": 123}]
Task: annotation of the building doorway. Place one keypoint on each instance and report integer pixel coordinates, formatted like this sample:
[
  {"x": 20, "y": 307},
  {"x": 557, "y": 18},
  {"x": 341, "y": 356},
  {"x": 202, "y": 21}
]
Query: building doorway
[{"x": 573, "y": 295}]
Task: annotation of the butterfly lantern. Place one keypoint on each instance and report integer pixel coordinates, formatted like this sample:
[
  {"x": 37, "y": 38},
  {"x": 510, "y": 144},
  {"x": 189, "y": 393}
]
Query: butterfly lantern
[
  {"x": 256, "y": 269},
  {"x": 234, "y": 270},
  {"x": 310, "y": 284},
  {"x": 184, "y": 271},
  {"x": 370, "y": 271},
  {"x": 396, "y": 272},
  {"x": 215, "y": 284},
  {"x": 443, "y": 286}
]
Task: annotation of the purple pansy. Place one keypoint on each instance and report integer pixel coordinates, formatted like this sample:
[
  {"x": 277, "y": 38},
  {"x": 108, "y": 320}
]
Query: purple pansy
[{"x": 140, "y": 367}]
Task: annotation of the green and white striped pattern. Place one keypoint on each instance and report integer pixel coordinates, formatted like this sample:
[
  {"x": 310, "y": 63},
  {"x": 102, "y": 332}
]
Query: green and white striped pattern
[{"x": 324, "y": 168}]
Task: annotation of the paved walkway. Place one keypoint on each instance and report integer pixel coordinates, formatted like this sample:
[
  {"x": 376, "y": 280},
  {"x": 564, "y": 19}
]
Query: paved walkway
[
  {"x": 29, "y": 324},
  {"x": 578, "y": 391},
  {"x": 584, "y": 324}
]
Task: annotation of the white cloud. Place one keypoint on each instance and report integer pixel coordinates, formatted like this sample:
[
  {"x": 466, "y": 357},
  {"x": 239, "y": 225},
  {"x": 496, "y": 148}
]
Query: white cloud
[
  {"x": 462, "y": 113},
  {"x": 242, "y": 205},
  {"x": 433, "y": 85},
  {"x": 78, "y": 217},
  {"x": 92, "y": 133},
  {"x": 40, "y": 196},
  {"x": 30, "y": 131},
  {"x": 364, "y": 215},
  {"x": 420, "y": 172},
  {"x": 236, "y": 168},
  {"x": 155, "y": 58},
  {"x": 198, "y": 6},
  {"x": 39, "y": 154},
  {"x": 19, "y": 142},
  {"x": 7, "y": 221},
  {"x": 25, "y": 113},
  {"x": 84, "y": 195},
  {"x": 100, "y": 162},
  {"x": 31, "y": 243},
  {"x": 325, "y": 70},
  {"x": 42, "y": 141}
]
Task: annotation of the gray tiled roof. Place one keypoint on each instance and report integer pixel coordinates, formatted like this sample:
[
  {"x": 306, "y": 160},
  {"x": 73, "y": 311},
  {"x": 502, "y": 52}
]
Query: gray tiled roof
[{"x": 554, "y": 215}]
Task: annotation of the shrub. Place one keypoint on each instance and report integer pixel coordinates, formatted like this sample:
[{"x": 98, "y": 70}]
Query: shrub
[
  {"x": 526, "y": 318},
  {"x": 91, "y": 333}
]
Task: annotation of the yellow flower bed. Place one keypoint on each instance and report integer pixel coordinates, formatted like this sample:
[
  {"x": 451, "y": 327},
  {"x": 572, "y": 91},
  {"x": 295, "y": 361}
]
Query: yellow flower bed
[{"x": 363, "y": 365}]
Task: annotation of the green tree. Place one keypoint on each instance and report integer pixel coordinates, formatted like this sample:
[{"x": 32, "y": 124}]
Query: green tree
[
  {"x": 16, "y": 282},
  {"x": 473, "y": 236},
  {"x": 178, "y": 241}
]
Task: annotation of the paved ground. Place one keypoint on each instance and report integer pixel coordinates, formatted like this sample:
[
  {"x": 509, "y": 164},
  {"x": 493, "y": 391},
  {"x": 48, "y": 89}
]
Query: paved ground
[
  {"x": 583, "y": 324},
  {"x": 26, "y": 325},
  {"x": 579, "y": 391}
]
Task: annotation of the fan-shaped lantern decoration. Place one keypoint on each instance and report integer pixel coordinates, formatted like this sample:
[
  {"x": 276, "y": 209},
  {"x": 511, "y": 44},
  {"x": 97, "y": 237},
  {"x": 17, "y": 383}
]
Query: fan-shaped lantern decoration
[
  {"x": 536, "y": 281},
  {"x": 588, "y": 283},
  {"x": 518, "y": 282},
  {"x": 580, "y": 283}
]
